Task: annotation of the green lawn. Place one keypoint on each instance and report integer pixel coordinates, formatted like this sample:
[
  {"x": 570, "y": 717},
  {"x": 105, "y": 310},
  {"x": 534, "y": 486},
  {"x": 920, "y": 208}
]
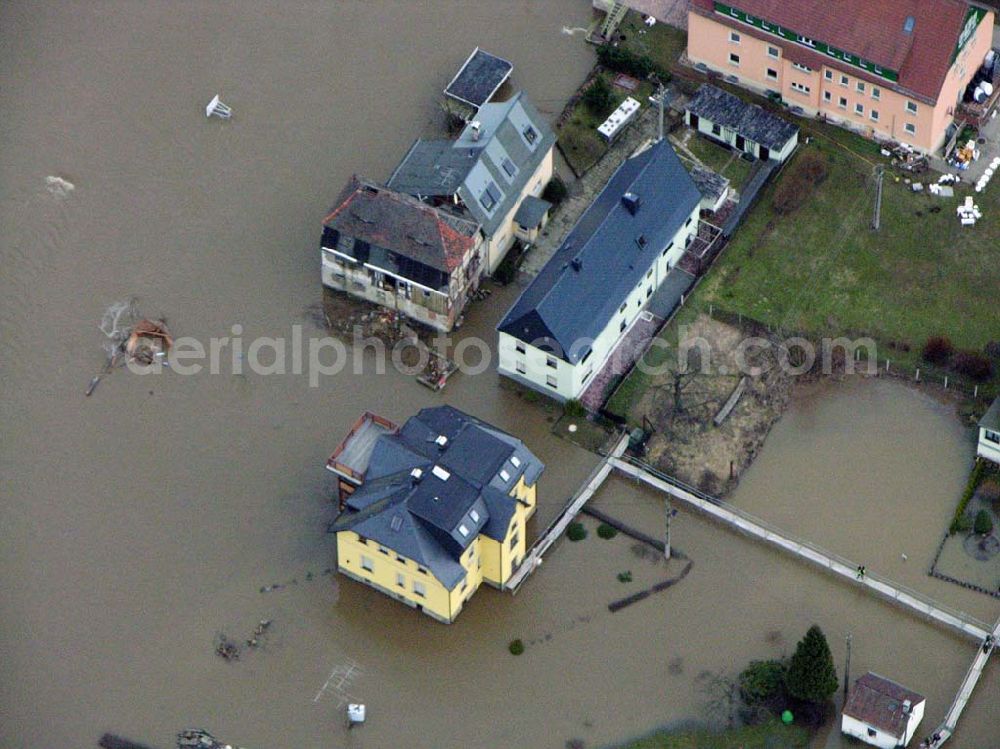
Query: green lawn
[
  {"x": 772, "y": 735},
  {"x": 822, "y": 269},
  {"x": 720, "y": 160},
  {"x": 579, "y": 140},
  {"x": 662, "y": 43}
]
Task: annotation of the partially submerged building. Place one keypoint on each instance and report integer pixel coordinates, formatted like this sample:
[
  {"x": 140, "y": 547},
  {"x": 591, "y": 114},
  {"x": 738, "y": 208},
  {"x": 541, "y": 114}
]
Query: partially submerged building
[
  {"x": 893, "y": 69},
  {"x": 501, "y": 157},
  {"x": 988, "y": 446},
  {"x": 480, "y": 76},
  {"x": 566, "y": 324},
  {"x": 433, "y": 509},
  {"x": 389, "y": 248},
  {"x": 745, "y": 127},
  {"x": 882, "y": 713}
]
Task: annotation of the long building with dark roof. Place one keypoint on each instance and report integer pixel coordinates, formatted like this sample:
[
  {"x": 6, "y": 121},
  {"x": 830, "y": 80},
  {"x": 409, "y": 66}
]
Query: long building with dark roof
[
  {"x": 891, "y": 70},
  {"x": 440, "y": 507},
  {"x": 566, "y": 324}
]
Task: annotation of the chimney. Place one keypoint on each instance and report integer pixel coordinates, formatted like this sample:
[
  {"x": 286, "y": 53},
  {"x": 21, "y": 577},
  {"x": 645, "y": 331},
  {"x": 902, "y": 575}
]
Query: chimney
[
  {"x": 631, "y": 201},
  {"x": 475, "y": 130}
]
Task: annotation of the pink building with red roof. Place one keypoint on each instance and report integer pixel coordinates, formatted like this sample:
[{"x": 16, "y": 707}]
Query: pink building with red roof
[{"x": 891, "y": 70}]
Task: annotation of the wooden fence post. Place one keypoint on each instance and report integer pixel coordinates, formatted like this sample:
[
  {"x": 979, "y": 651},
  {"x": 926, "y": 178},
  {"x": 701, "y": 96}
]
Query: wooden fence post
[
  {"x": 946, "y": 382},
  {"x": 918, "y": 374}
]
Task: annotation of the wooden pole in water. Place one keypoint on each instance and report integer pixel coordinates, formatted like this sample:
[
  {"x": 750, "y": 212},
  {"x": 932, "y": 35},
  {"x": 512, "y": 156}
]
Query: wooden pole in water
[
  {"x": 666, "y": 543},
  {"x": 847, "y": 668}
]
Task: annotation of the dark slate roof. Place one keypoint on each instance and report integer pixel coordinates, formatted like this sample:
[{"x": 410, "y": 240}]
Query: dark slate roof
[
  {"x": 749, "y": 120},
  {"x": 878, "y": 702},
  {"x": 710, "y": 184},
  {"x": 531, "y": 212},
  {"x": 473, "y": 164},
  {"x": 396, "y": 228},
  {"x": 579, "y": 290},
  {"x": 991, "y": 419},
  {"x": 479, "y": 78},
  {"x": 461, "y": 484},
  {"x": 667, "y": 298}
]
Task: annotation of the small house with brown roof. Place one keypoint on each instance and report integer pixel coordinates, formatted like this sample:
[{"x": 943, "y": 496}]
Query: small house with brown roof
[
  {"x": 882, "y": 713},
  {"x": 389, "y": 248},
  {"x": 891, "y": 70}
]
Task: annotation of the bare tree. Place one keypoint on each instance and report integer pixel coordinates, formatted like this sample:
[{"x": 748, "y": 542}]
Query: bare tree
[{"x": 722, "y": 696}]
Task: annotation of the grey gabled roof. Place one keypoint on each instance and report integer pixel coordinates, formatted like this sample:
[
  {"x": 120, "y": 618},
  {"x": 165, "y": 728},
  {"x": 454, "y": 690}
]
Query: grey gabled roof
[
  {"x": 749, "y": 120},
  {"x": 991, "y": 419},
  {"x": 710, "y": 184},
  {"x": 531, "y": 212},
  {"x": 460, "y": 488},
  {"x": 579, "y": 290},
  {"x": 479, "y": 78},
  {"x": 473, "y": 165}
]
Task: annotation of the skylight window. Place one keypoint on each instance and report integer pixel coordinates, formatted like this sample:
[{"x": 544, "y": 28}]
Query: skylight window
[
  {"x": 474, "y": 515},
  {"x": 504, "y": 475},
  {"x": 509, "y": 167},
  {"x": 441, "y": 440},
  {"x": 516, "y": 460},
  {"x": 487, "y": 201},
  {"x": 441, "y": 473},
  {"x": 530, "y": 135},
  {"x": 463, "y": 529}
]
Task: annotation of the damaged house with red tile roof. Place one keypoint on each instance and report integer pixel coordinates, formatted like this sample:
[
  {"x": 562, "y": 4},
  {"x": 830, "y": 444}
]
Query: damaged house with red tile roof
[
  {"x": 890, "y": 70},
  {"x": 392, "y": 249}
]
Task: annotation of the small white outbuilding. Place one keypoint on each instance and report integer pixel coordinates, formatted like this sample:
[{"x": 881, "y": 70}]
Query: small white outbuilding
[{"x": 881, "y": 712}]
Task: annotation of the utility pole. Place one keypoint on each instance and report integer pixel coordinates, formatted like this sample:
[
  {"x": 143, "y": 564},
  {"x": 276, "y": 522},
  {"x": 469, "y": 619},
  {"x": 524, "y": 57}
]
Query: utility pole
[
  {"x": 847, "y": 668},
  {"x": 663, "y": 95}
]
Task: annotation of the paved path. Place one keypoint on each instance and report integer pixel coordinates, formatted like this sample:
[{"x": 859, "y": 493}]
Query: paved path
[{"x": 910, "y": 599}]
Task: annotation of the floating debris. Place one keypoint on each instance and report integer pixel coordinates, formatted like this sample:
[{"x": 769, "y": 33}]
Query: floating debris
[
  {"x": 218, "y": 109},
  {"x": 59, "y": 187},
  {"x": 201, "y": 739},
  {"x": 131, "y": 338},
  {"x": 227, "y": 649},
  {"x": 113, "y": 741}
]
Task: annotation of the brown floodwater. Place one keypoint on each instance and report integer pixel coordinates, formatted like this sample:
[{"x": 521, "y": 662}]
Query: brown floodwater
[{"x": 142, "y": 522}]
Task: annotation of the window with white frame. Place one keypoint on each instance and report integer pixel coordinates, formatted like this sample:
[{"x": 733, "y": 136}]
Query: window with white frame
[
  {"x": 519, "y": 347},
  {"x": 772, "y": 74},
  {"x": 419, "y": 588},
  {"x": 992, "y": 436},
  {"x": 910, "y": 128},
  {"x": 551, "y": 381},
  {"x": 400, "y": 579},
  {"x": 874, "y": 115},
  {"x": 520, "y": 367},
  {"x": 734, "y": 37},
  {"x": 859, "y": 109},
  {"x": 911, "y": 107},
  {"x": 861, "y": 87},
  {"x": 806, "y": 41},
  {"x": 876, "y": 93},
  {"x": 801, "y": 88},
  {"x": 844, "y": 80},
  {"x": 734, "y": 59},
  {"x": 367, "y": 563},
  {"x": 551, "y": 361},
  {"x": 803, "y": 68},
  {"x": 843, "y": 102},
  {"x": 772, "y": 51},
  {"x": 828, "y": 74}
]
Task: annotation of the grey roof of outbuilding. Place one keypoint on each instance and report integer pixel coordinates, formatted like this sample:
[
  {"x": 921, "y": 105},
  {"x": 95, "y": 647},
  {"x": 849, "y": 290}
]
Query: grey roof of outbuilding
[
  {"x": 467, "y": 166},
  {"x": 433, "y": 509},
  {"x": 578, "y": 291},
  {"x": 991, "y": 419},
  {"x": 710, "y": 184},
  {"x": 478, "y": 79},
  {"x": 531, "y": 212},
  {"x": 749, "y": 120}
]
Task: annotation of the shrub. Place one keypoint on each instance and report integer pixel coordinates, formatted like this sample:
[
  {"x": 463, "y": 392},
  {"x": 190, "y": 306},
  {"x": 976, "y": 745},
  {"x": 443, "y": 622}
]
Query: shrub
[
  {"x": 530, "y": 396},
  {"x": 798, "y": 184},
  {"x": 555, "y": 191},
  {"x": 576, "y": 532},
  {"x": 625, "y": 61},
  {"x": 983, "y": 523},
  {"x": 990, "y": 490},
  {"x": 973, "y": 365},
  {"x": 962, "y": 524},
  {"x": 762, "y": 681},
  {"x": 625, "y": 577},
  {"x": 938, "y": 349},
  {"x": 606, "y": 531},
  {"x": 992, "y": 350},
  {"x": 597, "y": 97},
  {"x": 516, "y": 647},
  {"x": 574, "y": 409},
  {"x": 959, "y": 520}
]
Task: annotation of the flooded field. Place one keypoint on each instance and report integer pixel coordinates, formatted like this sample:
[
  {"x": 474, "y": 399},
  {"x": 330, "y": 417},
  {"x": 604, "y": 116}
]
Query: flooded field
[{"x": 141, "y": 523}]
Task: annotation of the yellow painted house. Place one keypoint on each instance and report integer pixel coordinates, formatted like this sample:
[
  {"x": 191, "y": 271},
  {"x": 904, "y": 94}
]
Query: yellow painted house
[{"x": 433, "y": 509}]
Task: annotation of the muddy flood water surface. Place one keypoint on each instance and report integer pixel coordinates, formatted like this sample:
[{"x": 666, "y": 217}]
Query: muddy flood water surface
[{"x": 143, "y": 522}]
